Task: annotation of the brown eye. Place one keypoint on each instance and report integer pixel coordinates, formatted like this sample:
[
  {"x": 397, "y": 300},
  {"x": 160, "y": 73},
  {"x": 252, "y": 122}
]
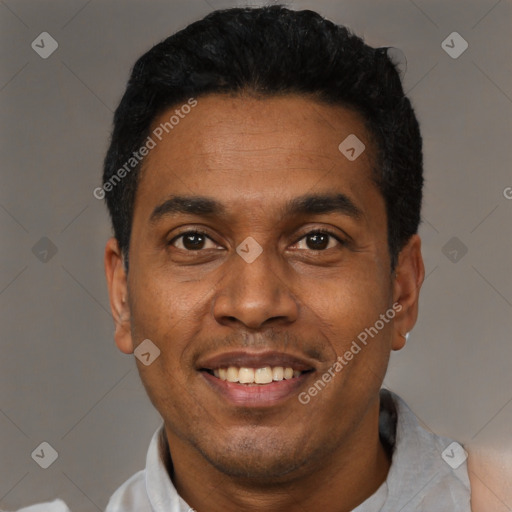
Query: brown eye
[
  {"x": 319, "y": 241},
  {"x": 192, "y": 241}
]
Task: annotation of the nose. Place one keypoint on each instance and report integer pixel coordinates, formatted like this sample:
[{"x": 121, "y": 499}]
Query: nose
[{"x": 254, "y": 295}]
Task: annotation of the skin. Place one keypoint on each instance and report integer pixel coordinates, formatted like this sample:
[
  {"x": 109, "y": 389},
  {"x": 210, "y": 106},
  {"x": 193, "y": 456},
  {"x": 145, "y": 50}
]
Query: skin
[{"x": 301, "y": 297}]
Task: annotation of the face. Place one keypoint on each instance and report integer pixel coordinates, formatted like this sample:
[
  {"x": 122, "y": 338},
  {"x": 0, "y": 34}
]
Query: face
[{"x": 259, "y": 253}]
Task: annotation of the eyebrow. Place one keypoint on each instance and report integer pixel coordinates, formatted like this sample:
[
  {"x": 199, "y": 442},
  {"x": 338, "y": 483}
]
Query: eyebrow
[
  {"x": 192, "y": 205},
  {"x": 317, "y": 204},
  {"x": 309, "y": 204}
]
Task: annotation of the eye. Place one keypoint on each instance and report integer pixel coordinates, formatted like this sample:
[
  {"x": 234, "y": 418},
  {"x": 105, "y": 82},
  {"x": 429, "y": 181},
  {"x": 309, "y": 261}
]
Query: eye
[
  {"x": 193, "y": 241},
  {"x": 319, "y": 240}
]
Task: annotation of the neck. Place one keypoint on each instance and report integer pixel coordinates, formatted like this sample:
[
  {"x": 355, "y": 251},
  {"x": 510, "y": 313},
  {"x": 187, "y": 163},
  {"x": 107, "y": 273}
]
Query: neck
[{"x": 339, "y": 484}]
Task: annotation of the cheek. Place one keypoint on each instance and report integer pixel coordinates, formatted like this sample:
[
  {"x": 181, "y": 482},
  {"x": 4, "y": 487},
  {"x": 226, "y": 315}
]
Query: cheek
[
  {"x": 347, "y": 311},
  {"x": 159, "y": 304},
  {"x": 164, "y": 313},
  {"x": 160, "y": 312},
  {"x": 348, "y": 304}
]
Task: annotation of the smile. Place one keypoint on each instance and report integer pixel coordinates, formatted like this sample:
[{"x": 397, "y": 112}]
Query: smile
[
  {"x": 255, "y": 379},
  {"x": 260, "y": 376}
]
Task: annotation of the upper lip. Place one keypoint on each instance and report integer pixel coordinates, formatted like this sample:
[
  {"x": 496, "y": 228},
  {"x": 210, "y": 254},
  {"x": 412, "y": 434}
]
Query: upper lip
[{"x": 247, "y": 359}]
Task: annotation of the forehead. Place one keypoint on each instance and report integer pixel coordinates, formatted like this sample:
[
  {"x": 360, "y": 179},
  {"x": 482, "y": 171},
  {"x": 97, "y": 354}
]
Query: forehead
[{"x": 255, "y": 151}]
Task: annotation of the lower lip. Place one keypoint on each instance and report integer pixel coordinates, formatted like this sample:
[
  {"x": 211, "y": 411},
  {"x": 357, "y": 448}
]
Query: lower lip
[{"x": 256, "y": 395}]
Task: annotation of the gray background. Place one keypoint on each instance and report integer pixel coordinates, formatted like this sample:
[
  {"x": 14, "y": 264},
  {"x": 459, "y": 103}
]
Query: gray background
[{"x": 61, "y": 378}]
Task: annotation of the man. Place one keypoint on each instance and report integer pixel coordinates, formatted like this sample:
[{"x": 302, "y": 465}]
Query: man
[
  {"x": 265, "y": 263},
  {"x": 264, "y": 181}
]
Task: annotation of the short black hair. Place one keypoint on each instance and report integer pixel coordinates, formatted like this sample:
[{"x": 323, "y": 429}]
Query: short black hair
[{"x": 270, "y": 51}]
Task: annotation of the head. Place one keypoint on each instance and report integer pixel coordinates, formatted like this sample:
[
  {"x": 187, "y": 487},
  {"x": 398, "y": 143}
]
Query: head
[{"x": 264, "y": 181}]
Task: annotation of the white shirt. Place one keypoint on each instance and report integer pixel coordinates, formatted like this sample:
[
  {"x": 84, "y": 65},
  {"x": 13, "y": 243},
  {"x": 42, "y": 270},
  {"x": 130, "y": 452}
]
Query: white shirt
[{"x": 419, "y": 479}]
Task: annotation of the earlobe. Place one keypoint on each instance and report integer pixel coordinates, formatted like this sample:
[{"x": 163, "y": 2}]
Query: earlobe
[
  {"x": 399, "y": 340},
  {"x": 118, "y": 293},
  {"x": 409, "y": 275}
]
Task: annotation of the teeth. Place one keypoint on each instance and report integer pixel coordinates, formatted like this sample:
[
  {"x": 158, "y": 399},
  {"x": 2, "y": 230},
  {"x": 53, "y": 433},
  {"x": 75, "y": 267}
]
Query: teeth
[
  {"x": 278, "y": 373},
  {"x": 264, "y": 375},
  {"x": 232, "y": 374},
  {"x": 246, "y": 375}
]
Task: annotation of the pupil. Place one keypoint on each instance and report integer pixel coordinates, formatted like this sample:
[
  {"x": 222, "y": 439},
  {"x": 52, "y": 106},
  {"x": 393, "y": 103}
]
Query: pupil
[
  {"x": 193, "y": 241},
  {"x": 318, "y": 241}
]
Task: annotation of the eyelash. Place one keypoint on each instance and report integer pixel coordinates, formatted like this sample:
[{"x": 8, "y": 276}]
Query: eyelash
[{"x": 313, "y": 232}]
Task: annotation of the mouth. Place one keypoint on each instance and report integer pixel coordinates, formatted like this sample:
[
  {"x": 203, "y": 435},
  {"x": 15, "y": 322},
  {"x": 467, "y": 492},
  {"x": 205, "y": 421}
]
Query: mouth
[
  {"x": 258, "y": 376},
  {"x": 255, "y": 380}
]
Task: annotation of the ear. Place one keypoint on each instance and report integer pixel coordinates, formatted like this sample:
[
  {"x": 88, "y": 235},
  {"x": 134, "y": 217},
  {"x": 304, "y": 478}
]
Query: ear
[
  {"x": 409, "y": 275},
  {"x": 118, "y": 292}
]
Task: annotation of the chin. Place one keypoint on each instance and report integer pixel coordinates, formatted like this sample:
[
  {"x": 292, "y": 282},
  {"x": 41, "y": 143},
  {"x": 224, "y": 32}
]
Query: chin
[{"x": 261, "y": 459}]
